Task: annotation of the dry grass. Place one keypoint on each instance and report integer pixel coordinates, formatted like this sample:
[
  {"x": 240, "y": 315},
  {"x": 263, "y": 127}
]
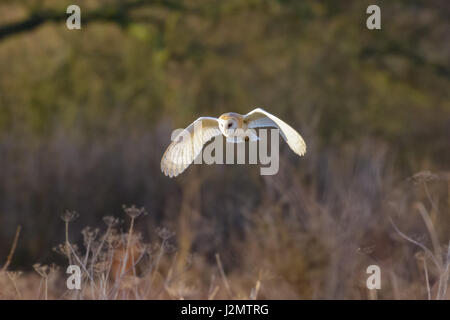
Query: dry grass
[
  {"x": 282, "y": 257},
  {"x": 308, "y": 232}
]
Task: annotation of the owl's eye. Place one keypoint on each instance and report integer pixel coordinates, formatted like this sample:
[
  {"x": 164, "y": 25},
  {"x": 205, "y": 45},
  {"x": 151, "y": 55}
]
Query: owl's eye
[{"x": 229, "y": 125}]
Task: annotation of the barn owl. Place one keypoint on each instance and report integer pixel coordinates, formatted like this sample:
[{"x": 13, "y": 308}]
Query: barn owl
[{"x": 188, "y": 144}]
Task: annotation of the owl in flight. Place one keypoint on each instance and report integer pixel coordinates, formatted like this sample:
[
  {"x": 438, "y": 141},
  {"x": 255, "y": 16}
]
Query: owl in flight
[{"x": 188, "y": 144}]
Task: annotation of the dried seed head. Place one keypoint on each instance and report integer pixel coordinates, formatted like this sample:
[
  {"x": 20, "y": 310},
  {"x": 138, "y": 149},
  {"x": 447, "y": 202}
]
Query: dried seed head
[
  {"x": 61, "y": 249},
  {"x": 113, "y": 238},
  {"x": 110, "y": 221},
  {"x": 13, "y": 275},
  {"x": 89, "y": 235},
  {"x": 134, "y": 239},
  {"x": 423, "y": 176},
  {"x": 169, "y": 248},
  {"x": 69, "y": 216},
  {"x": 142, "y": 248},
  {"x": 133, "y": 211},
  {"x": 366, "y": 250},
  {"x": 42, "y": 270},
  {"x": 164, "y": 233}
]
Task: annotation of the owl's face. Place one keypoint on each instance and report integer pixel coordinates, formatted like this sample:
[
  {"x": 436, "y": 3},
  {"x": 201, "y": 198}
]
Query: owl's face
[{"x": 227, "y": 125}]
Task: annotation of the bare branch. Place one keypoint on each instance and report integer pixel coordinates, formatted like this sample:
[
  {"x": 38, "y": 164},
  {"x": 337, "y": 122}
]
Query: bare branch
[{"x": 119, "y": 13}]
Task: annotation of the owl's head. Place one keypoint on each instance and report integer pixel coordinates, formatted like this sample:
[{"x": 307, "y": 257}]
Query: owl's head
[{"x": 228, "y": 124}]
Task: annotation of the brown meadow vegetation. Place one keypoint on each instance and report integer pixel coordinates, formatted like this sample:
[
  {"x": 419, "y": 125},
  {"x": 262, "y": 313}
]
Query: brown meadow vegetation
[{"x": 85, "y": 116}]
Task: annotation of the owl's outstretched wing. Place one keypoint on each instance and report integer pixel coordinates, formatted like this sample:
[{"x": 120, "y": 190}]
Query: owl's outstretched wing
[
  {"x": 187, "y": 145},
  {"x": 260, "y": 118}
]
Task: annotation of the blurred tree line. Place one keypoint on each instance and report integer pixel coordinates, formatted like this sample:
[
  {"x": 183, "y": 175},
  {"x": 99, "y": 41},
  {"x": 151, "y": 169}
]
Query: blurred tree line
[
  {"x": 136, "y": 61},
  {"x": 139, "y": 68}
]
